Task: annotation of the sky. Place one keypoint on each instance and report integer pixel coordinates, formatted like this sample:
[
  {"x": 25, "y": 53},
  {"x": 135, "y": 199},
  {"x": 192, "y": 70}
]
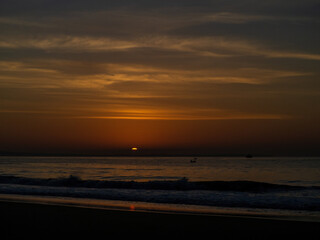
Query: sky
[{"x": 167, "y": 76}]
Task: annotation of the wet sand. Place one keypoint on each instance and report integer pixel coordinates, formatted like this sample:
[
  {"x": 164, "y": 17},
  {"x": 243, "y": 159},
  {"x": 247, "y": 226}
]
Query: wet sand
[{"x": 45, "y": 221}]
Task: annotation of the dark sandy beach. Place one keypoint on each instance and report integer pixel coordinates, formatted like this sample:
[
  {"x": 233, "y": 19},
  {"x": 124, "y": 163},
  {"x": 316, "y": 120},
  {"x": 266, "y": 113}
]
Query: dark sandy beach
[{"x": 21, "y": 220}]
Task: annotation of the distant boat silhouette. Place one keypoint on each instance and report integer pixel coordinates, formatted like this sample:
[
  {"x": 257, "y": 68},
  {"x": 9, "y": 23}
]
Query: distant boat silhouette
[
  {"x": 194, "y": 160},
  {"x": 249, "y": 156}
]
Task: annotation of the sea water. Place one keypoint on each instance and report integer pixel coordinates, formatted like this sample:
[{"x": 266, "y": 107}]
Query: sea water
[{"x": 259, "y": 184}]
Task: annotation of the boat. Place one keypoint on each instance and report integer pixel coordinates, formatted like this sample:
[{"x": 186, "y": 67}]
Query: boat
[{"x": 194, "y": 160}]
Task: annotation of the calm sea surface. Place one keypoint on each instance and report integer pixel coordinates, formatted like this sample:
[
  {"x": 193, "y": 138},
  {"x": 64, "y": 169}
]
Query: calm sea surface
[
  {"x": 210, "y": 184},
  {"x": 303, "y": 171}
]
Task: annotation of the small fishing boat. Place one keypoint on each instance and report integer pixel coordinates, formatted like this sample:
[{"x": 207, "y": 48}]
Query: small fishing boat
[{"x": 194, "y": 160}]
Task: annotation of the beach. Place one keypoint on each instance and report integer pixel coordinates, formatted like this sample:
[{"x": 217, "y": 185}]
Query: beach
[
  {"x": 49, "y": 221},
  {"x": 159, "y": 119},
  {"x": 159, "y": 197}
]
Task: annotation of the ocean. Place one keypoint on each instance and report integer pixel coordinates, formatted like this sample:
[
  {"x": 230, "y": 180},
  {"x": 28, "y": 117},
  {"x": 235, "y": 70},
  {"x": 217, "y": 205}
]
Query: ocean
[{"x": 282, "y": 186}]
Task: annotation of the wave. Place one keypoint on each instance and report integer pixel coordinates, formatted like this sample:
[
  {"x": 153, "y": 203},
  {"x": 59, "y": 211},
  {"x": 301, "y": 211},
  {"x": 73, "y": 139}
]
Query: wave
[
  {"x": 182, "y": 184},
  {"x": 305, "y": 201},
  {"x": 234, "y": 194}
]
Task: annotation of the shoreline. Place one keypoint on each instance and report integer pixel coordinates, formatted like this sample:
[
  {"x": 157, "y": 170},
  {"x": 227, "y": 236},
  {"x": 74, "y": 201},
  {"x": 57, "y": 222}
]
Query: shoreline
[
  {"x": 22, "y": 219},
  {"x": 123, "y": 205}
]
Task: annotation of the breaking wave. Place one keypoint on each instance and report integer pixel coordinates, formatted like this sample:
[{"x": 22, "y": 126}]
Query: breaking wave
[
  {"x": 182, "y": 184},
  {"x": 243, "y": 194}
]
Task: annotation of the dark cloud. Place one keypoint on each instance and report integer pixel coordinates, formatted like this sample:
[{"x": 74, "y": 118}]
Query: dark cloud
[
  {"x": 235, "y": 57},
  {"x": 281, "y": 34},
  {"x": 52, "y": 7}
]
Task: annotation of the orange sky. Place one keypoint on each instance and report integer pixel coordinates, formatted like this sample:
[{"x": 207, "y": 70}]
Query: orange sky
[
  {"x": 101, "y": 136},
  {"x": 167, "y": 76}
]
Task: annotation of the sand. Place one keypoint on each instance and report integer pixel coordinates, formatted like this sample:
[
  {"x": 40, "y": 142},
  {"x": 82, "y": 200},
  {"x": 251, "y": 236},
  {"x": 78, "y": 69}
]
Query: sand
[{"x": 45, "y": 221}]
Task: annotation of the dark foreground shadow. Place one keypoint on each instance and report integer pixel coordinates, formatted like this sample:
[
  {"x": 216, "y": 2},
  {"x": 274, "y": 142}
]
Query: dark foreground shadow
[{"x": 36, "y": 221}]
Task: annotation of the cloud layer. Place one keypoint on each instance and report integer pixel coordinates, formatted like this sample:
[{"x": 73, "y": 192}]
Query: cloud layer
[{"x": 160, "y": 60}]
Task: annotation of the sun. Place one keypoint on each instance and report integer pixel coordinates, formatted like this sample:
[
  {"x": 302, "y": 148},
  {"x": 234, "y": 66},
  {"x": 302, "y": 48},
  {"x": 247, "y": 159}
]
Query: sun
[{"x": 134, "y": 149}]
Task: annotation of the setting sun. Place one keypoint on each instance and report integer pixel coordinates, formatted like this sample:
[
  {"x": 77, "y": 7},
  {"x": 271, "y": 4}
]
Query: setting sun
[{"x": 219, "y": 101}]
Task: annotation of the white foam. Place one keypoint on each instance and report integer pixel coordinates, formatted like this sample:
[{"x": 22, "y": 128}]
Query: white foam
[{"x": 302, "y": 200}]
